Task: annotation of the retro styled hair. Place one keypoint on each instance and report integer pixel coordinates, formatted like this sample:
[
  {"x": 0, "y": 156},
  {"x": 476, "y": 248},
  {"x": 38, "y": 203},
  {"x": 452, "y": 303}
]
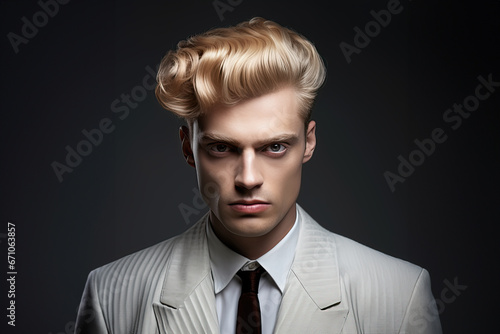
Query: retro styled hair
[{"x": 233, "y": 64}]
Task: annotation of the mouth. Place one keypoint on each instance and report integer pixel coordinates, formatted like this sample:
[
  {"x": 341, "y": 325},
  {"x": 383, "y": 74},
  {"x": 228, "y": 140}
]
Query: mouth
[{"x": 249, "y": 206}]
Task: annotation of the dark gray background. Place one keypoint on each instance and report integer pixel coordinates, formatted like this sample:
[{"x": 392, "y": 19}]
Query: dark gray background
[{"x": 125, "y": 195}]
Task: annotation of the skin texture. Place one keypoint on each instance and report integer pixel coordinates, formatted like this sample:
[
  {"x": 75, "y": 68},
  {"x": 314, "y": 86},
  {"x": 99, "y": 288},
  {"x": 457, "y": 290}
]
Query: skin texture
[{"x": 251, "y": 151}]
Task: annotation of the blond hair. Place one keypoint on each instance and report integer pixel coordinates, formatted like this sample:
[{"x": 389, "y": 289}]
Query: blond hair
[{"x": 230, "y": 65}]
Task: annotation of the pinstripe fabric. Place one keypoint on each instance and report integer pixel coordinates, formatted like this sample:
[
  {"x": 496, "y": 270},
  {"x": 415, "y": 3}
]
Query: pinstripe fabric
[
  {"x": 335, "y": 286},
  {"x": 197, "y": 315},
  {"x": 118, "y": 296}
]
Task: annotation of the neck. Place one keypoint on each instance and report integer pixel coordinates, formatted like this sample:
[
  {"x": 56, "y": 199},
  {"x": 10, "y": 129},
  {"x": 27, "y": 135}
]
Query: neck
[{"x": 254, "y": 247}]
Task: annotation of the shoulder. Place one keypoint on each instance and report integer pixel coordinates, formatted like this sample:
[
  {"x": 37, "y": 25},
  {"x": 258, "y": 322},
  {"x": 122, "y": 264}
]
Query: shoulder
[
  {"x": 373, "y": 280},
  {"x": 140, "y": 263},
  {"x": 400, "y": 291},
  {"x": 143, "y": 268},
  {"x": 357, "y": 260},
  {"x": 124, "y": 285},
  {"x": 119, "y": 295},
  {"x": 369, "y": 277}
]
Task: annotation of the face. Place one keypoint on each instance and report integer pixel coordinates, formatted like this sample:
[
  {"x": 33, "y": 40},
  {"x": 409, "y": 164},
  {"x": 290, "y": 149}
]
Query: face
[{"x": 248, "y": 158}]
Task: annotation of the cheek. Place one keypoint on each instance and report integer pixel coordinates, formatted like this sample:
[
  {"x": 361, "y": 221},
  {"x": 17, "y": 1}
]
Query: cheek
[
  {"x": 213, "y": 178},
  {"x": 286, "y": 178}
]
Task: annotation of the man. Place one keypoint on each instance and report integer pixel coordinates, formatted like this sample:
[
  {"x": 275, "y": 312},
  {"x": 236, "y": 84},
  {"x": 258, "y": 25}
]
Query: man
[{"x": 257, "y": 262}]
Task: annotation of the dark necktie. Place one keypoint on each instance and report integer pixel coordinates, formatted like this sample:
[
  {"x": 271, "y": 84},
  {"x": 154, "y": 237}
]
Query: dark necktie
[{"x": 248, "y": 320}]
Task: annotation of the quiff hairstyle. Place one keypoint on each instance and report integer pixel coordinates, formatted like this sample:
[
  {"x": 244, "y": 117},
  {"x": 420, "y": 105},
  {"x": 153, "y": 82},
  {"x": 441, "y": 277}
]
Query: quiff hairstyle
[{"x": 233, "y": 64}]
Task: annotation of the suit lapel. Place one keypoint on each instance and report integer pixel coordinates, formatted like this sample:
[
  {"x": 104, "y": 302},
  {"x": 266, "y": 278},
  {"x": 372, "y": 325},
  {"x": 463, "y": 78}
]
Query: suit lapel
[
  {"x": 187, "y": 300},
  {"x": 312, "y": 298}
]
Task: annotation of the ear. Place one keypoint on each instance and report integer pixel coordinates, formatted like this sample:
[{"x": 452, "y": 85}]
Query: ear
[
  {"x": 186, "y": 145},
  {"x": 310, "y": 141}
]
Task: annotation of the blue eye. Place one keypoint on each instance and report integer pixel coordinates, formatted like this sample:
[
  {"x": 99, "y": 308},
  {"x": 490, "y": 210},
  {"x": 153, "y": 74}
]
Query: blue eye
[{"x": 276, "y": 148}]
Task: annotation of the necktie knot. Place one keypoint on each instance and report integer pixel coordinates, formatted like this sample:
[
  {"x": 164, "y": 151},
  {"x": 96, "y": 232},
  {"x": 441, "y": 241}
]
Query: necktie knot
[{"x": 250, "y": 280}]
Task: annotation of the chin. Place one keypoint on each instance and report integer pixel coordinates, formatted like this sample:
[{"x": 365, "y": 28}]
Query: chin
[{"x": 250, "y": 227}]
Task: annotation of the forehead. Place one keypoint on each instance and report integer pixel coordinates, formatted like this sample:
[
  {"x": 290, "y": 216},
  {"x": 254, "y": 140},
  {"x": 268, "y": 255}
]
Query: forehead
[{"x": 258, "y": 118}]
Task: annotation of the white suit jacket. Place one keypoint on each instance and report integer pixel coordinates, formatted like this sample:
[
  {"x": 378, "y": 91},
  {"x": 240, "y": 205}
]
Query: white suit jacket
[{"x": 335, "y": 285}]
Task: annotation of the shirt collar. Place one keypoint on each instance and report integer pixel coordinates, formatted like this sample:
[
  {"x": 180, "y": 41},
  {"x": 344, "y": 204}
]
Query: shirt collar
[{"x": 277, "y": 262}]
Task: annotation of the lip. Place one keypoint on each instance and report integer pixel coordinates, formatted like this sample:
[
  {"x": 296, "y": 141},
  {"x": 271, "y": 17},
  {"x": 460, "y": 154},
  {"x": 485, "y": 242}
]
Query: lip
[{"x": 249, "y": 206}]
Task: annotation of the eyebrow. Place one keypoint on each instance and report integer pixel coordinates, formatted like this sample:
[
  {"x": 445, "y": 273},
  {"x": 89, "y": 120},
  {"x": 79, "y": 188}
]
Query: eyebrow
[{"x": 290, "y": 138}]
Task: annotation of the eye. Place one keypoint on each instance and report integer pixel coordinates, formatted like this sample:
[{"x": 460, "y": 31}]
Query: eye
[
  {"x": 219, "y": 148},
  {"x": 276, "y": 148}
]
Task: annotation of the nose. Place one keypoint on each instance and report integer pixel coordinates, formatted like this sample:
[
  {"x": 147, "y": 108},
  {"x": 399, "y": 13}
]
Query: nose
[{"x": 248, "y": 175}]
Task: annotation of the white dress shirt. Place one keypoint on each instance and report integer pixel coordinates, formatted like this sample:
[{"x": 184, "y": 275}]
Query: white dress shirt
[{"x": 225, "y": 264}]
